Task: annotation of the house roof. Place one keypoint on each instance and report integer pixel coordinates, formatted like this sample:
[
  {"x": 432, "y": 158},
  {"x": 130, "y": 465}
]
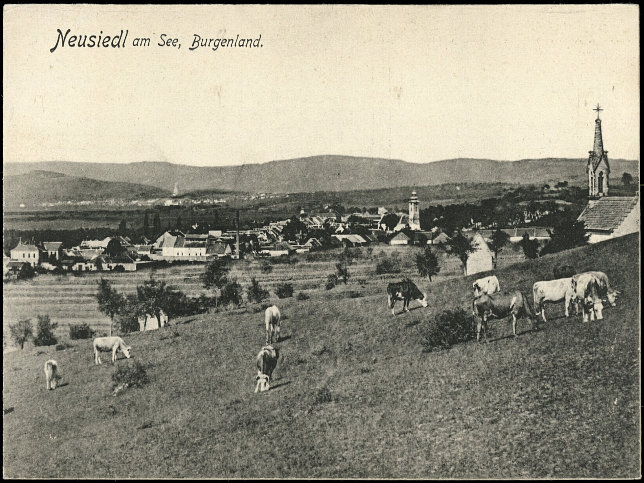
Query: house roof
[
  {"x": 25, "y": 247},
  {"x": 218, "y": 248},
  {"x": 606, "y": 214},
  {"x": 401, "y": 236},
  {"x": 15, "y": 264},
  {"x": 51, "y": 246}
]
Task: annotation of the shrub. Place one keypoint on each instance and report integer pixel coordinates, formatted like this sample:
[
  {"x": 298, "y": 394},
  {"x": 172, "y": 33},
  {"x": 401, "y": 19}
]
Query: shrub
[
  {"x": 81, "y": 331},
  {"x": 266, "y": 267},
  {"x": 354, "y": 294},
  {"x": 130, "y": 375},
  {"x": 302, "y": 296},
  {"x": 119, "y": 269},
  {"x": 388, "y": 265},
  {"x": 322, "y": 395},
  {"x": 45, "y": 331},
  {"x": 331, "y": 281},
  {"x": 231, "y": 293},
  {"x": 127, "y": 322},
  {"x": 63, "y": 345},
  {"x": 284, "y": 290},
  {"x": 21, "y": 332},
  {"x": 448, "y": 328},
  {"x": 255, "y": 291}
]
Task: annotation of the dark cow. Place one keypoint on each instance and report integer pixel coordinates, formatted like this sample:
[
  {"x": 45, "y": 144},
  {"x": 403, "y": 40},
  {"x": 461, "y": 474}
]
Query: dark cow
[
  {"x": 500, "y": 305},
  {"x": 266, "y": 361},
  {"x": 405, "y": 290}
]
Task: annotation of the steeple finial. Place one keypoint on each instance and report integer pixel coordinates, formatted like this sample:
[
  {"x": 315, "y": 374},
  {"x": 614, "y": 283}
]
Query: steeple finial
[{"x": 598, "y": 109}]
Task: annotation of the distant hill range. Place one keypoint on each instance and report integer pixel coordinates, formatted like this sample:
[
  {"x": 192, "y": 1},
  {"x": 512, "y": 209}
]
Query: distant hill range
[
  {"x": 40, "y": 186},
  {"x": 326, "y": 173}
]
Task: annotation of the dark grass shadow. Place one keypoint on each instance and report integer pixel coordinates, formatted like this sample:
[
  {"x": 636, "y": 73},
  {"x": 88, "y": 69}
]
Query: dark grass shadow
[
  {"x": 282, "y": 339},
  {"x": 62, "y": 385},
  {"x": 7, "y": 411},
  {"x": 412, "y": 323}
]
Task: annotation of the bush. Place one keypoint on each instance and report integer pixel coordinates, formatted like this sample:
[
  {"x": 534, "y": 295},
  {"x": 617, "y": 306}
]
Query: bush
[
  {"x": 130, "y": 375},
  {"x": 63, "y": 346},
  {"x": 255, "y": 291},
  {"x": 45, "y": 331},
  {"x": 354, "y": 294},
  {"x": 331, "y": 281},
  {"x": 388, "y": 265},
  {"x": 266, "y": 267},
  {"x": 119, "y": 269},
  {"x": 21, "y": 332},
  {"x": 127, "y": 322},
  {"x": 81, "y": 331},
  {"x": 284, "y": 290},
  {"x": 302, "y": 296},
  {"x": 448, "y": 328},
  {"x": 322, "y": 395},
  {"x": 231, "y": 293}
]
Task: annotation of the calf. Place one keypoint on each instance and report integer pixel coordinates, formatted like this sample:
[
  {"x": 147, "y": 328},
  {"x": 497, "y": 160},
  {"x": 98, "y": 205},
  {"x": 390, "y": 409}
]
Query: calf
[
  {"x": 590, "y": 289},
  {"x": 552, "y": 291},
  {"x": 500, "y": 305},
  {"x": 51, "y": 374},
  {"x": 272, "y": 318},
  {"x": 266, "y": 361},
  {"x": 105, "y": 344},
  {"x": 488, "y": 285}
]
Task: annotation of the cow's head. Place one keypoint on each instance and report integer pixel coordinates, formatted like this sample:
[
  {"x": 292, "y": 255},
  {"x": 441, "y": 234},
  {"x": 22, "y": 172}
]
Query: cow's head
[
  {"x": 126, "y": 350},
  {"x": 477, "y": 289},
  {"x": 263, "y": 383},
  {"x": 612, "y": 297},
  {"x": 424, "y": 300}
]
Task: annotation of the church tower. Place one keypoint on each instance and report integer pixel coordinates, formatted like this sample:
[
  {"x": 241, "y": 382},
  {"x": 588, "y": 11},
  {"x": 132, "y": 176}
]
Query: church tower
[
  {"x": 598, "y": 168},
  {"x": 414, "y": 213}
]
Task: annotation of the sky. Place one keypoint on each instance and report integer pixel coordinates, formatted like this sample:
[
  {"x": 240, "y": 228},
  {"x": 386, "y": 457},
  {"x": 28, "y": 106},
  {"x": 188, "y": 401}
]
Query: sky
[{"x": 417, "y": 83}]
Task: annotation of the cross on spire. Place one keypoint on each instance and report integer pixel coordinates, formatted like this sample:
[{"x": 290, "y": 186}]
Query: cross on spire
[{"x": 598, "y": 109}]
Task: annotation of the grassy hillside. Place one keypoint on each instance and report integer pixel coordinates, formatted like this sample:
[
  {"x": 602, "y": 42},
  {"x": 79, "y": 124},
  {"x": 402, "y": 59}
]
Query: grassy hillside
[
  {"x": 38, "y": 187},
  {"x": 330, "y": 173},
  {"x": 353, "y": 396}
]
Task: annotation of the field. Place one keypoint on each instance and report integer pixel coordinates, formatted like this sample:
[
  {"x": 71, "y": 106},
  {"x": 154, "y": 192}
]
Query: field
[
  {"x": 354, "y": 394},
  {"x": 72, "y": 300}
]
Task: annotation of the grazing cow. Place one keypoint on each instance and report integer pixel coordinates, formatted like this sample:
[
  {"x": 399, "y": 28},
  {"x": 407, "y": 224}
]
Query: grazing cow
[
  {"x": 272, "y": 318},
  {"x": 105, "y": 344},
  {"x": 266, "y": 362},
  {"x": 500, "y": 305},
  {"x": 405, "y": 290},
  {"x": 488, "y": 285},
  {"x": 51, "y": 374},
  {"x": 605, "y": 291},
  {"x": 552, "y": 291},
  {"x": 590, "y": 289}
]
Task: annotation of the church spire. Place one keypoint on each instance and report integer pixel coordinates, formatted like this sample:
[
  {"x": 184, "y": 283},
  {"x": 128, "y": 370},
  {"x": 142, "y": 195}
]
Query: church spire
[{"x": 598, "y": 145}]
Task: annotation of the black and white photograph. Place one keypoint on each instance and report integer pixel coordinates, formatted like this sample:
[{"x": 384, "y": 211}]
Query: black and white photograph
[{"x": 321, "y": 242}]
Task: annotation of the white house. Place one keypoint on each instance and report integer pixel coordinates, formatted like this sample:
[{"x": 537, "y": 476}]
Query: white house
[
  {"x": 481, "y": 259},
  {"x": 400, "y": 239},
  {"x": 25, "y": 252}
]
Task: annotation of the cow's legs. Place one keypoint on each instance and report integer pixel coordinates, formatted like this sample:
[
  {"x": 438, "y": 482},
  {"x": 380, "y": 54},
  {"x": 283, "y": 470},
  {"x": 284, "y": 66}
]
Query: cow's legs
[
  {"x": 542, "y": 308},
  {"x": 406, "y": 305},
  {"x": 269, "y": 336},
  {"x": 277, "y": 333},
  {"x": 114, "y": 354},
  {"x": 97, "y": 357},
  {"x": 598, "y": 310},
  {"x": 514, "y": 325},
  {"x": 478, "y": 330}
]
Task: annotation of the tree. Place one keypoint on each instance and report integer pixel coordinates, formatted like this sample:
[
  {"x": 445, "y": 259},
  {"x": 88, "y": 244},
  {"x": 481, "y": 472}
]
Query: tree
[
  {"x": 215, "y": 275},
  {"x": 255, "y": 291},
  {"x": 497, "y": 241},
  {"x": 427, "y": 263},
  {"x": 627, "y": 179},
  {"x": 231, "y": 293},
  {"x": 45, "y": 331},
  {"x": 156, "y": 224},
  {"x": 146, "y": 224},
  {"x": 568, "y": 233},
  {"x": 530, "y": 246},
  {"x": 390, "y": 220},
  {"x": 21, "y": 332},
  {"x": 461, "y": 246},
  {"x": 122, "y": 227},
  {"x": 153, "y": 297},
  {"x": 110, "y": 302},
  {"x": 346, "y": 259},
  {"x": 26, "y": 272},
  {"x": 179, "y": 224},
  {"x": 114, "y": 248}
]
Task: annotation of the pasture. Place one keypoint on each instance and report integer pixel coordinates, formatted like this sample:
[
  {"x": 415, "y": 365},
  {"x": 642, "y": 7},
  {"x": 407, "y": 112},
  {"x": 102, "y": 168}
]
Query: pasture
[
  {"x": 70, "y": 299},
  {"x": 354, "y": 395}
]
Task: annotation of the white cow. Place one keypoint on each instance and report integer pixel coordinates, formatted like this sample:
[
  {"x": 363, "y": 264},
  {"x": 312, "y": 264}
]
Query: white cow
[
  {"x": 105, "y": 344},
  {"x": 266, "y": 361},
  {"x": 272, "y": 318},
  {"x": 553, "y": 291},
  {"x": 591, "y": 288},
  {"x": 488, "y": 285},
  {"x": 51, "y": 374}
]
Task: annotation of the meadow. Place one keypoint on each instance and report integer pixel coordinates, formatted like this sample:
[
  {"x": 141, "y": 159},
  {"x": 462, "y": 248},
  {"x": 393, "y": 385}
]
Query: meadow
[{"x": 354, "y": 394}]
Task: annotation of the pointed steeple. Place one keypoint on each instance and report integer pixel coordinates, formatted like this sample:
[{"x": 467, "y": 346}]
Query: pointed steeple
[{"x": 598, "y": 144}]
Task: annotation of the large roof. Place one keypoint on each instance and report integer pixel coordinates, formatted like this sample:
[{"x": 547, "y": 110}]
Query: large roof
[
  {"x": 606, "y": 214},
  {"x": 24, "y": 247}
]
